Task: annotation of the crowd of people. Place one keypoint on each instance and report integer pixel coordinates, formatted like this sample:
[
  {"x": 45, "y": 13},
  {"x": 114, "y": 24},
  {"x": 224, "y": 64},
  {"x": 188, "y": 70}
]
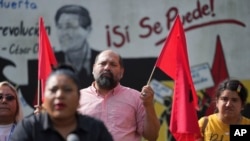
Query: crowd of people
[
  {"x": 106, "y": 110},
  {"x": 88, "y": 97}
]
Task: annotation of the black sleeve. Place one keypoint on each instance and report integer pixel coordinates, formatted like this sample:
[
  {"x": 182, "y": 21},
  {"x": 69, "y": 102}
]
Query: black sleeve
[
  {"x": 95, "y": 129},
  {"x": 104, "y": 133}
]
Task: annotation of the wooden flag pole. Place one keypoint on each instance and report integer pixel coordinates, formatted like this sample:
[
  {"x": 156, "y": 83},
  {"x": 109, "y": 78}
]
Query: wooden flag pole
[
  {"x": 38, "y": 93},
  {"x": 151, "y": 75}
]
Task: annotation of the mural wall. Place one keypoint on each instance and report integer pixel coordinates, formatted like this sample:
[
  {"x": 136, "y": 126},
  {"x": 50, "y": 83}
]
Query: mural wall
[{"x": 217, "y": 34}]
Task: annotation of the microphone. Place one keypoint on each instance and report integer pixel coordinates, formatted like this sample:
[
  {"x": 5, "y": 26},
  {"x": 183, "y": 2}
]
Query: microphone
[{"x": 72, "y": 137}]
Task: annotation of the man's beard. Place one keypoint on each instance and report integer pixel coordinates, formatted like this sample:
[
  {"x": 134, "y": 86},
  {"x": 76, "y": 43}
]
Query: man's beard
[{"x": 106, "y": 82}]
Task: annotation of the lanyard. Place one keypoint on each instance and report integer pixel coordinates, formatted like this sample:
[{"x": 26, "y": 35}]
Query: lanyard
[{"x": 11, "y": 131}]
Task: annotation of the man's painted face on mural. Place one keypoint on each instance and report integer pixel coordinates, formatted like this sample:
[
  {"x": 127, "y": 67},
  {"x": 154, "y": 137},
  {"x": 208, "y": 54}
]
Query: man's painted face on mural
[{"x": 70, "y": 33}]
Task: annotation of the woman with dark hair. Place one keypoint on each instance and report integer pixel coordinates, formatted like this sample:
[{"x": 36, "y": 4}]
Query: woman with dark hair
[
  {"x": 60, "y": 121},
  {"x": 230, "y": 98}
]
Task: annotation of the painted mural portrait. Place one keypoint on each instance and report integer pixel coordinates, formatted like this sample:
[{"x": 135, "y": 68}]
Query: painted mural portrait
[{"x": 74, "y": 25}]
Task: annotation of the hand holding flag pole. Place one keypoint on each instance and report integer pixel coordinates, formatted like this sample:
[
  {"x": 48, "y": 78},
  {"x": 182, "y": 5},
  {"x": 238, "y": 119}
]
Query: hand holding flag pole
[{"x": 173, "y": 61}]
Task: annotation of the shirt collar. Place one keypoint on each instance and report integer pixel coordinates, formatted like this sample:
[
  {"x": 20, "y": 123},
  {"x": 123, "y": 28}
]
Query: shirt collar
[
  {"x": 47, "y": 123},
  {"x": 113, "y": 91}
]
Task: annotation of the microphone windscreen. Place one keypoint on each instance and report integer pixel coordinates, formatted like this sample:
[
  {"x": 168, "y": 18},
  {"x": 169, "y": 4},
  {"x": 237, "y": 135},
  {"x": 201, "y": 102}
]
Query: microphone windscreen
[{"x": 72, "y": 137}]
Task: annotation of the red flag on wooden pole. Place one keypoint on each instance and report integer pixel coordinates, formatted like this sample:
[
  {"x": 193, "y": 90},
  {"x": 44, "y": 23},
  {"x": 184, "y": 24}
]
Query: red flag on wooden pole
[
  {"x": 46, "y": 57},
  {"x": 173, "y": 61}
]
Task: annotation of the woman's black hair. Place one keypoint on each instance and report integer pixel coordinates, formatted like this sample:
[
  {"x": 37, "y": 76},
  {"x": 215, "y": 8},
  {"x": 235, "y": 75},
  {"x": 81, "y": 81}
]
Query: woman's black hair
[
  {"x": 233, "y": 85},
  {"x": 67, "y": 70}
]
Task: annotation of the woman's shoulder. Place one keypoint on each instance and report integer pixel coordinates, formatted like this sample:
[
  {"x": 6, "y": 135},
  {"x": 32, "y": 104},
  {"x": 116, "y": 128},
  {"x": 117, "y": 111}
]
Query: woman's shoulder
[
  {"x": 86, "y": 119},
  {"x": 209, "y": 117},
  {"x": 245, "y": 120},
  {"x": 34, "y": 118},
  {"x": 90, "y": 123}
]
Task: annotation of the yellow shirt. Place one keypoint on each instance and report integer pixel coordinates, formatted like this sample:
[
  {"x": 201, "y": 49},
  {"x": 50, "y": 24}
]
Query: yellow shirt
[{"x": 216, "y": 130}]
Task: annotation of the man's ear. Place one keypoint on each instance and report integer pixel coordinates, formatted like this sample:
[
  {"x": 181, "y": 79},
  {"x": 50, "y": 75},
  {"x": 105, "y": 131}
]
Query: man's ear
[{"x": 121, "y": 75}]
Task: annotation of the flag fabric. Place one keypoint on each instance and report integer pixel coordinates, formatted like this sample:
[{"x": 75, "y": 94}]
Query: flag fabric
[
  {"x": 173, "y": 61},
  {"x": 46, "y": 56},
  {"x": 219, "y": 73}
]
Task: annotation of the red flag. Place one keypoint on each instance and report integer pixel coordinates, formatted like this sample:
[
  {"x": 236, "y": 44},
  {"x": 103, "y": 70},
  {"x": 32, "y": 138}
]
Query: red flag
[
  {"x": 219, "y": 73},
  {"x": 173, "y": 61},
  {"x": 46, "y": 56}
]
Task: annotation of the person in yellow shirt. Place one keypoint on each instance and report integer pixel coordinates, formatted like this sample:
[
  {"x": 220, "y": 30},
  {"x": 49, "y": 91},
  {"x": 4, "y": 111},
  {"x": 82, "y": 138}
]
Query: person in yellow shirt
[{"x": 230, "y": 99}]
